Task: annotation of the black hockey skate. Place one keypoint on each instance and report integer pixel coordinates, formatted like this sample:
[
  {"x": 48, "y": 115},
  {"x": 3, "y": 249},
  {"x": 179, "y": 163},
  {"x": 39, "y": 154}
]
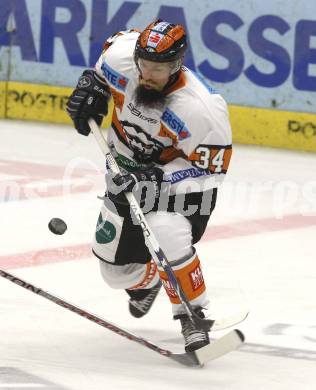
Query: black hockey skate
[
  {"x": 141, "y": 300},
  {"x": 194, "y": 338}
]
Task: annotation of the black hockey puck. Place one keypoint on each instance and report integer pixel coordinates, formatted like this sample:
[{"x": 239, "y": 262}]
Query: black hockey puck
[{"x": 57, "y": 226}]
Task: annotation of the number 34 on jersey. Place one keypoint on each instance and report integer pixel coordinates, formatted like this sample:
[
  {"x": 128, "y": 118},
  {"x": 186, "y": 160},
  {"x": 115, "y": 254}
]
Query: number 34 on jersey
[{"x": 215, "y": 158}]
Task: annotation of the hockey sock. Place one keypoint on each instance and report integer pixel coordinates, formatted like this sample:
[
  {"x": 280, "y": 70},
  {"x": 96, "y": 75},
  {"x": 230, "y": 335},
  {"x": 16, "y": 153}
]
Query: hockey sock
[{"x": 189, "y": 275}]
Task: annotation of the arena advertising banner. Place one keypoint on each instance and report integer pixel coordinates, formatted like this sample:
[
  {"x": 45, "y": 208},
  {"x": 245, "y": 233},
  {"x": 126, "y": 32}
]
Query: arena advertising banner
[{"x": 261, "y": 56}]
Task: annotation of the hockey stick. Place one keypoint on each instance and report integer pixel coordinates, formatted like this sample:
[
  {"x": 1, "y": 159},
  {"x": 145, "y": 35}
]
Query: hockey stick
[
  {"x": 152, "y": 243},
  {"x": 225, "y": 344}
]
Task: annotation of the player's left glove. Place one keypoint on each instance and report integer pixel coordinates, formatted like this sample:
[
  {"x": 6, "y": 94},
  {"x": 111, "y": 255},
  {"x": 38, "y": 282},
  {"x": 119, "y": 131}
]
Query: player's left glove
[
  {"x": 148, "y": 182},
  {"x": 89, "y": 99}
]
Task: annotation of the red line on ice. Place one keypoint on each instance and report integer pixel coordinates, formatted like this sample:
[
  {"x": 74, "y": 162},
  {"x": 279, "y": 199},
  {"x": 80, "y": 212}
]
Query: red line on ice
[
  {"x": 219, "y": 232},
  {"x": 45, "y": 256},
  {"x": 248, "y": 228},
  {"x": 45, "y": 180}
]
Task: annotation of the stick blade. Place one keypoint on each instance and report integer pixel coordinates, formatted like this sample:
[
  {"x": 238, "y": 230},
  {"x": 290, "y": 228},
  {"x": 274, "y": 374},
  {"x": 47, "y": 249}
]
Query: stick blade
[
  {"x": 212, "y": 351},
  {"x": 220, "y": 347}
]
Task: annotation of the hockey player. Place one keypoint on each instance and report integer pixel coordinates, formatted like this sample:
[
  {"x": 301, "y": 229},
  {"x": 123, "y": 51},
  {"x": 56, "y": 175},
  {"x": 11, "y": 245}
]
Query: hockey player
[{"x": 171, "y": 132}]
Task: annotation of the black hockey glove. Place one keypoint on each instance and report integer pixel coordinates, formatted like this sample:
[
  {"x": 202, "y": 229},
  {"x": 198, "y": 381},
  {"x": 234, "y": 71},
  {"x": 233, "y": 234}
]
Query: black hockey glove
[
  {"x": 143, "y": 183},
  {"x": 89, "y": 100}
]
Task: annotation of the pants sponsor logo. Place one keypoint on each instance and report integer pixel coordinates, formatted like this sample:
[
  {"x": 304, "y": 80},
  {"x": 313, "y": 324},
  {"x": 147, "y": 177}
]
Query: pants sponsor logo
[{"x": 105, "y": 232}]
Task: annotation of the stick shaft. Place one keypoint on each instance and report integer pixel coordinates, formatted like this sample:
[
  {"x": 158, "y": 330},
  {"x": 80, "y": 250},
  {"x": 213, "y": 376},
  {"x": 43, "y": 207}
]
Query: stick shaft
[{"x": 81, "y": 312}]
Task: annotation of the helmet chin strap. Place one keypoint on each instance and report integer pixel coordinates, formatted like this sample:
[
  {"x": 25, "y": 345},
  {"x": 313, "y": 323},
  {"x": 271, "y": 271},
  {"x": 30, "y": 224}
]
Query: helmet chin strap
[
  {"x": 172, "y": 79},
  {"x": 175, "y": 74},
  {"x": 138, "y": 68},
  {"x": 177, "y": 66}
]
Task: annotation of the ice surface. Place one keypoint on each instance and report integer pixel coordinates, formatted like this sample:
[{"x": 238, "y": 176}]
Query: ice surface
[{"x": 258, "y": 253}]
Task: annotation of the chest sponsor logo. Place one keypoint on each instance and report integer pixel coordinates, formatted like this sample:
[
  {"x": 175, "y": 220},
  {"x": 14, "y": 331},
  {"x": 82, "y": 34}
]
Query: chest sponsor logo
[
  {"x": 114, "y": 78},
  {"x": 175, "y": 124},
  {"x": 138, "y": 113}
]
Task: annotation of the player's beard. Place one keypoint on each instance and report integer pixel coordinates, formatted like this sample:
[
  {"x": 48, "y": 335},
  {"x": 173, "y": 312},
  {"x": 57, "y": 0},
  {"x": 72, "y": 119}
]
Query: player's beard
[{"x": 151, "y": 98}]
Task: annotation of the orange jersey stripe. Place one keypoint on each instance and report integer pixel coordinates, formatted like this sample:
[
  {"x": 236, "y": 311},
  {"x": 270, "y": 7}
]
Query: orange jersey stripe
[
  {"x": 118, "y": 98},
  {"x": 165, "y": 132},
  {"x": 170, "y": 153},
  {"x": 110, "y": 40},
  {"x": 118, "y": 126}
]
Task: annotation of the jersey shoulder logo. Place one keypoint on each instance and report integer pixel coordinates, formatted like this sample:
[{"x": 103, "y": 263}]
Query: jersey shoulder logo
[{"x": 114, "y": 78}]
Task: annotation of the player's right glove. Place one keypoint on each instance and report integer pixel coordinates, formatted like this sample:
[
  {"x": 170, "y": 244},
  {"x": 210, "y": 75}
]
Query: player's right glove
[
  {"x": 118, "y": 185},
  {"x": 89, "y": 100}
]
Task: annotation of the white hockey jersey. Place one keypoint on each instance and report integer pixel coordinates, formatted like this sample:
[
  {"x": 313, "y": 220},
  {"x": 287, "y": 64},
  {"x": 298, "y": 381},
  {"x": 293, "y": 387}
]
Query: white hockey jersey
[{"x": 189, "y": 138}]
